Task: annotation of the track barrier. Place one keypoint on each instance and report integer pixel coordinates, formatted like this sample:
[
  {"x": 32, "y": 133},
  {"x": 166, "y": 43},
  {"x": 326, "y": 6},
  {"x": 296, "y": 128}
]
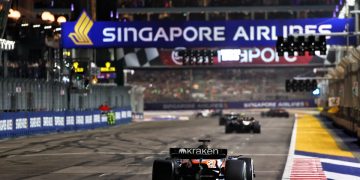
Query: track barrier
[{"x": 14, "y": 124}]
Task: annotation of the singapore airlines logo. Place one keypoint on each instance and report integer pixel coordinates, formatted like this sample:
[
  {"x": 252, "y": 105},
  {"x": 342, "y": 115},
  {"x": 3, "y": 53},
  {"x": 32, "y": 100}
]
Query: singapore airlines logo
[{"x": 82, "y": 28}]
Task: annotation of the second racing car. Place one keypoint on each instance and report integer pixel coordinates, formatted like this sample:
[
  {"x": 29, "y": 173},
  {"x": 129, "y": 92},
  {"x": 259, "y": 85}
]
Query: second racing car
[
  {"x": 243, "y": 124},
  {"x": 276, "y": 112},
  {"x": 228, "y": 117}
]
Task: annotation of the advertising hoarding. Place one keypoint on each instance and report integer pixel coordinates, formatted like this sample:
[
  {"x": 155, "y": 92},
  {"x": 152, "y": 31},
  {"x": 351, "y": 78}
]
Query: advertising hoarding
[{"x": 85, "y": 33}]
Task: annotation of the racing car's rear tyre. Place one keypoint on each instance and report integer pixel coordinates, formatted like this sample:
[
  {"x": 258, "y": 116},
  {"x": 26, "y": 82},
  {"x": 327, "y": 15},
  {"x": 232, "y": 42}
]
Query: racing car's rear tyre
[
  {"x": 163, "y": 170},
  {"x": 228, "y": 130},
  {"x": 235, "y": 170},
  {"x": 222, "y": 122},
  {"x": 257, "y": 128},
  {"x": 250, "y": 175}
]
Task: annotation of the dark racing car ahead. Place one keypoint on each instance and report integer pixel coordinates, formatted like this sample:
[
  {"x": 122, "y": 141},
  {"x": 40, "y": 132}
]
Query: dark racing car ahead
[
  {"x": 275, "y": 113},
  {"x": 242, "y": 124},
  {"x": 228, "y": 117},
  {"x": 202, "y": 163}
]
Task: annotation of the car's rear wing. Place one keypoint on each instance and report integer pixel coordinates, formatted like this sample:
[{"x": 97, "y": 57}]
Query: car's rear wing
[{"x": 197, "y": 153}]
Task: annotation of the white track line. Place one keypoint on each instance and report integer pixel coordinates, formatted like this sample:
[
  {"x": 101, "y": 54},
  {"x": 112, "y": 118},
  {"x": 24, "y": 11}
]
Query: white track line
[
  {"x": 332, "y": 175},
  {"x": 334, "y": 161},
  {"x": 290, "y": 159}
]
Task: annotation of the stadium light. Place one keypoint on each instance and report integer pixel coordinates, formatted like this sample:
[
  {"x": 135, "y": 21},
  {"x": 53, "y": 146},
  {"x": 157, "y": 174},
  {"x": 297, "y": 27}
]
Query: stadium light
[
  {"x": 61, "y": 19},
  {"x": 316, "y": 92},
  {"x": 24, "y": 25},
  {"x": 47, "y": 16},
  {"x": 14, "y": 14}
]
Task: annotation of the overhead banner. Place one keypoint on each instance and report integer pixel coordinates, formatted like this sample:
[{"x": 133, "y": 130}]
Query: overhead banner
[{"x": 84, "y": 33}]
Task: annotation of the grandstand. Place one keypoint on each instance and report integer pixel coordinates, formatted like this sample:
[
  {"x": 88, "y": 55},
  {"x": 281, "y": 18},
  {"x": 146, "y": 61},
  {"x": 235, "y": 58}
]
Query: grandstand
[{"x": 217, "y": 85}]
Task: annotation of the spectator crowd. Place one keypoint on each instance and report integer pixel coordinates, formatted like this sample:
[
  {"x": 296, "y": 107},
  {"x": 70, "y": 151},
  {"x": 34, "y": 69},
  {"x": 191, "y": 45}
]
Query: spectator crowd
[
  {"x": 220, "y": 85},
  {"x": 199, "y": 3}
]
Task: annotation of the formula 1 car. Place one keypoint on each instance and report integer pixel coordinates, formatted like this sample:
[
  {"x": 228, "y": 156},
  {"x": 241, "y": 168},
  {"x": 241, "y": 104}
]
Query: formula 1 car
[
  {"x": 203, "y": 163},
  {"x": 243, "y": 124},
  {"x": 275, "y": 113},
  {"x": 228, "y": 117},
  {"x": 209, "y": 113}
]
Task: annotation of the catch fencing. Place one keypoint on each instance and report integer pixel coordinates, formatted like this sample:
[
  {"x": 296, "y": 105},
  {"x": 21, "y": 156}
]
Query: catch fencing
[
  {"x": 343, "y": 84},
  {"x": 30, "y": 106},
  {"x": 37, "y": 95}
]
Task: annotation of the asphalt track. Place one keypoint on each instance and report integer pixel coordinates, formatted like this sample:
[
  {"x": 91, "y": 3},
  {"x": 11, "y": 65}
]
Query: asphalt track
[{"x": 127, "y": 152}]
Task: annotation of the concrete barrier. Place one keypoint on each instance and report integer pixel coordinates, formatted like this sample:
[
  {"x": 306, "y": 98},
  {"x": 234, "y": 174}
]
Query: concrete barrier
[{"x": 14, "y": 124}]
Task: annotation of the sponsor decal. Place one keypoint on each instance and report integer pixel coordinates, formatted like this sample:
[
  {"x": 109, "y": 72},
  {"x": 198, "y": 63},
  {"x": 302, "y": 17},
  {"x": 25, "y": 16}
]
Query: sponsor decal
[
  {"x": 197, "y": 151},
  {"x": 182, "y": 151},
  {"x": 108, "y": 68},
  {"x": 77, "y": 68},
  {"x": 176, "y": 59},
  {"x": 276, "y": 104},
  {"x": 82, "y": 28}
]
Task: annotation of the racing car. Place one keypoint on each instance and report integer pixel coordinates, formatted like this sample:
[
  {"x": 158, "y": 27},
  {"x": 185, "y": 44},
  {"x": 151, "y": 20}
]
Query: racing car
[
  {"x": 277, "y": 112},
  {"x": 202, "y": 163},
  {"x": 209, "y": 113},
  {"x": 243, "y": 124},
  {"x": 228, "y": 117}
]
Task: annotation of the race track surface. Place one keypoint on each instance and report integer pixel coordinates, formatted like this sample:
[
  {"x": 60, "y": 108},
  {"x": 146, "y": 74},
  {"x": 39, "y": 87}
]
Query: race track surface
[{"x": 127, "y": 152}]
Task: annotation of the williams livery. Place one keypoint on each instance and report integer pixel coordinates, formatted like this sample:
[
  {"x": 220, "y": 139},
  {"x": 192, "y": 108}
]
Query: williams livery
[{"x": 203, "y": 163}]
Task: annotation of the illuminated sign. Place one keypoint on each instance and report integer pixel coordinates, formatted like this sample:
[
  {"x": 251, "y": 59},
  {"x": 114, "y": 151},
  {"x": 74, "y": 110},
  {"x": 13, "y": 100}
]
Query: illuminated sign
[
  {"x": 7, "y": 45},
  {"x": 80, "y": 36},
  {"x": 107, "y": 68},
  {"x": 241, "y": 57},
  {"x": 77, "y": 68},
  {"x": 251, "y": 55},
  {"x": 106, "y": 76},
  {"x": 169, "y": 34}
]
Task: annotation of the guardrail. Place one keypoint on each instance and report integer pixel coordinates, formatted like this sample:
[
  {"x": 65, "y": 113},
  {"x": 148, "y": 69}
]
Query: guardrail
[{"x": 14, "y": 124}]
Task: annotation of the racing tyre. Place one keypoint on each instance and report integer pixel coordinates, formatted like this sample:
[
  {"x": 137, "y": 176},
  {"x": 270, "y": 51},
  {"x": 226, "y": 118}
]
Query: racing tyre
[
  {"x": 235, "y": 170},
  {"x": 257, "y": 128},
  {"x": 222, "y": 121},
  {"x": 228, "y": 130},
  {"x": 250, "y": 174},
  {"x": 163, "y": 170}
]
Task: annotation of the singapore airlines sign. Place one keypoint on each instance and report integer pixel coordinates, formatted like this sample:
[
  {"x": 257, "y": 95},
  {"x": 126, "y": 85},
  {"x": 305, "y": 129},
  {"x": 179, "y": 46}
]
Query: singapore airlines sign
[{"x": 84, "y": 33}]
